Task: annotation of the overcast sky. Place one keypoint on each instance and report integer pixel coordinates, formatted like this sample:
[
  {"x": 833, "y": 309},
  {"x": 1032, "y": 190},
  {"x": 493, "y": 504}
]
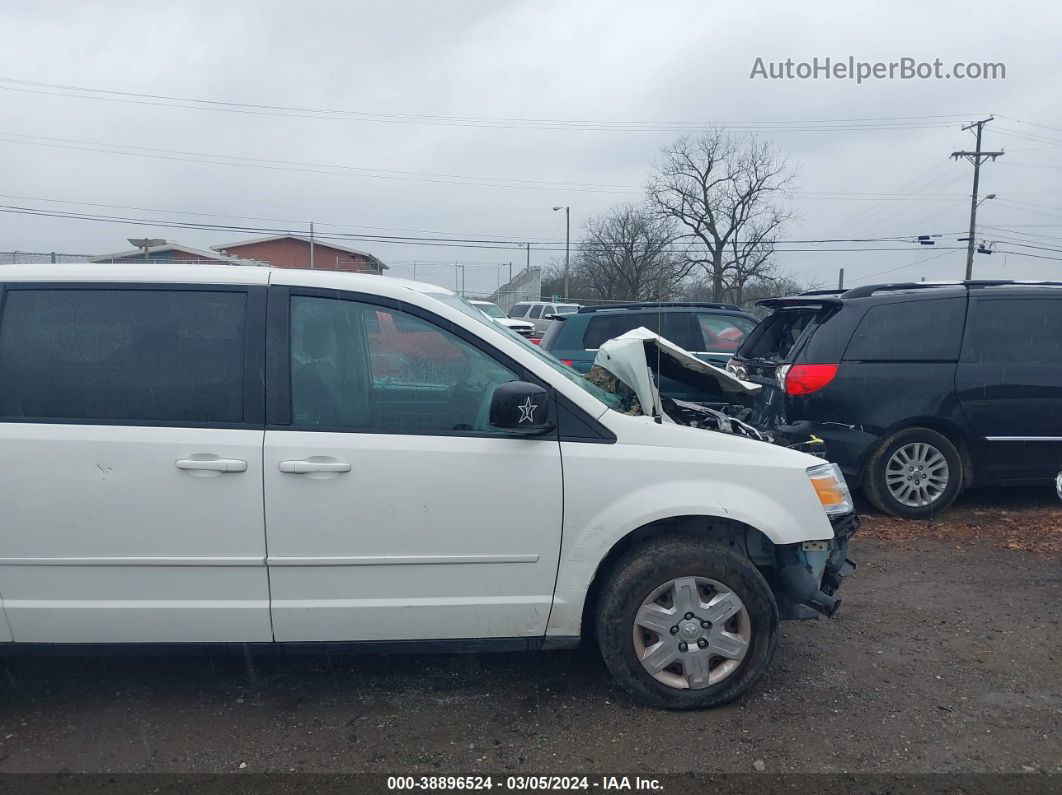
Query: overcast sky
[{"x": 603, "y": 62}]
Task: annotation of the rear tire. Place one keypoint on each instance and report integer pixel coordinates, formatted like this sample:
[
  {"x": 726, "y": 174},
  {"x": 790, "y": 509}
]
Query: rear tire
[
  {"x": 728, "y": 643},
  {"x": 914, "y": 474}
]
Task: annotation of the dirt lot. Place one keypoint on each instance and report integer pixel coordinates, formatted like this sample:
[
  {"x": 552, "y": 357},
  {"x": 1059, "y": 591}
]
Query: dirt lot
[{"x": 946, "y": 656}]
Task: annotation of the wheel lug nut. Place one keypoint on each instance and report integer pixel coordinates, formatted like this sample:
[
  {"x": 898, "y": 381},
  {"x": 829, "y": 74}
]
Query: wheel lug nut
[
  {"x": 674, "y": 629},
  {"x": 682, "y": 645},
  {"x": 689, "y": 616},
  {"x": 702, "y": 643},
  {"x": 706, "y": 624}
]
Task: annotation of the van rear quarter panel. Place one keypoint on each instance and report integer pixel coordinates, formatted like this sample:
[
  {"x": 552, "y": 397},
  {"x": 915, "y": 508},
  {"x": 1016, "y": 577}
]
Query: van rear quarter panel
[{"x": 879, "y": 397}]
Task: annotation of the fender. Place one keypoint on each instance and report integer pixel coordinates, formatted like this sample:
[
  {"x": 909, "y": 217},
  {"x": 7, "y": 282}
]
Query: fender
[{"x": 588, "y": 541}]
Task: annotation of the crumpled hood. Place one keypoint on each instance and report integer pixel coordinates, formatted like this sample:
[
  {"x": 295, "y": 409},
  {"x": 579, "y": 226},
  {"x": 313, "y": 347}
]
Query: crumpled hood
[{"x": 634, "y": 357}]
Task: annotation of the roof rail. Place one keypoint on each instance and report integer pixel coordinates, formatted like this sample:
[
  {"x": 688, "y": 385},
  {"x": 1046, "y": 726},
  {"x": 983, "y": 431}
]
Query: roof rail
[
  {"x": 662, "y": 305},
  {"x": 870, "y": 289}
]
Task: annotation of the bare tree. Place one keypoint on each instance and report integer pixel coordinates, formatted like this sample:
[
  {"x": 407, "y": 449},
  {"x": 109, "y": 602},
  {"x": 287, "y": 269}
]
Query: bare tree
[
  {"x": 626, "y": 255},
  {"x": 726, "y": 193},
  {"x": 579, "y": 287}
]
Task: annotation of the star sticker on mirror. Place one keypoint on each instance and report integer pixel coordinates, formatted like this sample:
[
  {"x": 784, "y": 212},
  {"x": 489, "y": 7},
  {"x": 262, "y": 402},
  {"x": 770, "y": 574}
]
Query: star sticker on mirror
[{"x": 527, "y": 410}]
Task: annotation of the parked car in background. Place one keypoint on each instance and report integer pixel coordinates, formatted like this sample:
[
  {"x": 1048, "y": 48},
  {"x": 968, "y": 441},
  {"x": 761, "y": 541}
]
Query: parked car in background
[
  {"x": 919, "y": 390},
  {"x": 711, "y": 332},
  {"x": 524, "y": 328},
  {"x": 541, "y": 313},
  {"x": 206, "y": 454}
]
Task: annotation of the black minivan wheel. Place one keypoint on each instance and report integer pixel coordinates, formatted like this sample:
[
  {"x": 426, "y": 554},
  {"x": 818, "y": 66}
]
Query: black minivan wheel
[
  {"x": 915, "y": 473},
  {"x": 686, "y": 624}
]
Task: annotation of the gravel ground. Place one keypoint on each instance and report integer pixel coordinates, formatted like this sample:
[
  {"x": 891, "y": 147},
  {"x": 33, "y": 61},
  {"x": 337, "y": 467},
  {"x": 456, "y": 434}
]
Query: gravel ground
[{"x": 946, "y": 656}]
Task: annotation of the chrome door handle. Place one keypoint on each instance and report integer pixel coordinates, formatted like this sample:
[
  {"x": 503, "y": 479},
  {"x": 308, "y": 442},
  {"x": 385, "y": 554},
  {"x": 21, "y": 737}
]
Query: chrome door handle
[
  {"x": 304, "y": 467},
  {"x": 213, "y": 464}
]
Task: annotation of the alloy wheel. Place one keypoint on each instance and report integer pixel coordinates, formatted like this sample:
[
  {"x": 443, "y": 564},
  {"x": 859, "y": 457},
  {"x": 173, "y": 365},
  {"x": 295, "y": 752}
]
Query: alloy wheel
[{"x": 917, "y": 474}]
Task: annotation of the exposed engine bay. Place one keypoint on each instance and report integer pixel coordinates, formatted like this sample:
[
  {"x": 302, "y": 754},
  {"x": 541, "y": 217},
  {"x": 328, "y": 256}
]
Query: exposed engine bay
[{"x": 632, "y": 365}]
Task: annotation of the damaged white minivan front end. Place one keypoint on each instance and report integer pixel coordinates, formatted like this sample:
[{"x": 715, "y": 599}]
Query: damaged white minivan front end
[{"x": 702, "y": 469}]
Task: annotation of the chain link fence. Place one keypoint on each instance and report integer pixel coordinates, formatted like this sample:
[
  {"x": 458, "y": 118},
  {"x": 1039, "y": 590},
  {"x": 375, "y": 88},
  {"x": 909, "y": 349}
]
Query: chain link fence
[{"x": 40, "y": 257}]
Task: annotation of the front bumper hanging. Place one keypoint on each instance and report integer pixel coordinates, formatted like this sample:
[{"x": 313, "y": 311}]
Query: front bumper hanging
[{"x": 809, "y": 573}]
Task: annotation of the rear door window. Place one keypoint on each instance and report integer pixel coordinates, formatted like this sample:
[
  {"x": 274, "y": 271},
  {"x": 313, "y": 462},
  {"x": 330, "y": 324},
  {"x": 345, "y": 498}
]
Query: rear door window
[
  {"x": 1015, "y": 330},
  {"x": 129, "y": 356},
  {"x": 909, "y": 331},
  {"x": 723, "y": 333},
  {"x": 679, "y": 328},
  {"x": 536, "y": 311}
]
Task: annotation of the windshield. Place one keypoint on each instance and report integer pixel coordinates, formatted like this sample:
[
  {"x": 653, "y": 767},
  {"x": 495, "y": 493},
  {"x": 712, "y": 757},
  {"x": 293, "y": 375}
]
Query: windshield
[
  {"x": 614, "y": 401},
  {"x": 490, "y": 310},
  {"x": 567, "y": 309}
]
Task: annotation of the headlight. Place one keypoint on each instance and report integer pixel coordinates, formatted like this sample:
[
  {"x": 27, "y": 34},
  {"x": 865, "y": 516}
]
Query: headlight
[
  {"x": 737, "y": 369},
  {"x": 831, "y": 489}
]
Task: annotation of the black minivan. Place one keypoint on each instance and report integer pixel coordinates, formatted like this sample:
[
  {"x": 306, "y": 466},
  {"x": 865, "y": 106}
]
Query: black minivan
[{"x": 919, "y": 390}]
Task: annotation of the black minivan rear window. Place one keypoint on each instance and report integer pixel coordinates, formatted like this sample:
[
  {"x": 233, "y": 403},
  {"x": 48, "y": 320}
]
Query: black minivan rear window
[{"x": 774, "y": 339}]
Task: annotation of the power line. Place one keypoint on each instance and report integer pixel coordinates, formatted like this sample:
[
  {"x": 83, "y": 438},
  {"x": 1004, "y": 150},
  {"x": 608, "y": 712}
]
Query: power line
[
  {"x": 1026, "y": 254},
  {"x": 910, "y": 264},
  {"x": 1028, "y": 136},
  {"x": 306, "y": 167},
  {"x": 1031, "y": 123},
  {"x": 410, "y": 240},
  {"x": 1028, "y": 235},
  {"x": 292, "y": 221},
  {"x": 595, "y": 125}
]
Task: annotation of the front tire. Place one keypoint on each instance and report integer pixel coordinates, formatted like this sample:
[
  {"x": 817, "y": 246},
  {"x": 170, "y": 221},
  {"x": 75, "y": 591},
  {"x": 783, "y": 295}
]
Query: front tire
[
  {"x": 686, "y": 624},
  {"x": 914, "y": 474}
]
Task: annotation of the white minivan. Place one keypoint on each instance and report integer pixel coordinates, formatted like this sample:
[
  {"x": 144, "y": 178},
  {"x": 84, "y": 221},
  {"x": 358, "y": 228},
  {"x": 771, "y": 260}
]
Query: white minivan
[{"x": 217, "y": 454}]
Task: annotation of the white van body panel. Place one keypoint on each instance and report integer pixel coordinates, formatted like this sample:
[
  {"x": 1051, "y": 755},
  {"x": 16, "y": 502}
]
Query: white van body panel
[
  {"x": 425, "y": 537},
  {"x": 105, "y": 540}
]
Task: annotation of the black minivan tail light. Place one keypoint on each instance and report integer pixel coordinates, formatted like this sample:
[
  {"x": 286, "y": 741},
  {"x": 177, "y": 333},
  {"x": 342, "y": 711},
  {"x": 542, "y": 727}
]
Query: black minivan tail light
[{"x": 803, "y": 379}]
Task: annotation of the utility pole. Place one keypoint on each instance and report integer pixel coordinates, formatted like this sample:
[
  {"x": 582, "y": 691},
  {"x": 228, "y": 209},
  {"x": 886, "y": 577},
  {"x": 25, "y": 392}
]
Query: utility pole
[
  {"x": 311, "y": 245},
  {"x": 840, "y": 279},
  {"x": 977, "y": 157},
  {"x": 528, "y": 256}
]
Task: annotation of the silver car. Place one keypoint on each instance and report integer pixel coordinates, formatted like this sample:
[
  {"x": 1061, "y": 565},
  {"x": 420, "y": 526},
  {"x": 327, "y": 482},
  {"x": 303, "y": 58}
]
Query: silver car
[
  {"x": 524, "y": 328},
  {"x": 540, "y": 313}
]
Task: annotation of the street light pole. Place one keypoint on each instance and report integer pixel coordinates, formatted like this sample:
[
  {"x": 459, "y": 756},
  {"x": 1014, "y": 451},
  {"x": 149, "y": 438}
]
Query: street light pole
[{"x": 567, "y": 245}]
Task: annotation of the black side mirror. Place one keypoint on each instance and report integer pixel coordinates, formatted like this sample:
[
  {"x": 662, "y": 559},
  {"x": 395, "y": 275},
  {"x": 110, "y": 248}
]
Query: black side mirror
[{"x": 520, "y": 407}]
